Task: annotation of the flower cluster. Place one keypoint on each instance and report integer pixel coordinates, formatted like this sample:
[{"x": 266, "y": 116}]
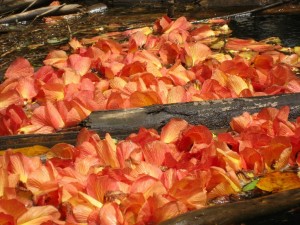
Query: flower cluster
[
  {"x": 146, "y": 178},
  {"x": 173, "y": 62}
]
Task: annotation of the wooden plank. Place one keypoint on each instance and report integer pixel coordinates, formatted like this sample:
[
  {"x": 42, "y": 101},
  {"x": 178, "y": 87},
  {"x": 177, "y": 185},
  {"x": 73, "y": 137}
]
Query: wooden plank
[
  {"x": 215, "y": 114},
  {"x": 238, "y": 212}
]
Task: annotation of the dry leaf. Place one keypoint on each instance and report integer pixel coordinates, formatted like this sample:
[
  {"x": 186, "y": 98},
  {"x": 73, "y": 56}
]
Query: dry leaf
[{"x": 279, "y": 181}]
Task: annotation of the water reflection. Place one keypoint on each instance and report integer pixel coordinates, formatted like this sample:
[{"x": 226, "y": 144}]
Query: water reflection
[{"x": 261, "y": 27}]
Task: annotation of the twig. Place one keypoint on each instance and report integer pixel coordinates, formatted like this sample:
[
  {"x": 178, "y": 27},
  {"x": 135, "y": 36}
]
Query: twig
[
  {"x": 246, "y": 13},
  {"x": 31, "y": 4},
  {"x": 70, "y": 32},
  {"x": 47, "y": 12}
]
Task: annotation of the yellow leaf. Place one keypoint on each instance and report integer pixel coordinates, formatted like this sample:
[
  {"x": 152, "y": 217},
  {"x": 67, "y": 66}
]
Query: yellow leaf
[
  {"x": 279, "y": 181},
  {"x": 35, "y": 150}
]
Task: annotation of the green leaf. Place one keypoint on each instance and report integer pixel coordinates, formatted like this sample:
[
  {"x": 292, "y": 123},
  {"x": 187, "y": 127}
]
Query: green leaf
[{"x": 250, "y": 186}]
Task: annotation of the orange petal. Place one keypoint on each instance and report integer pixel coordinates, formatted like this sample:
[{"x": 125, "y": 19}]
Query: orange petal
[
  {"x": 146, "y": 168},
  {"x": 155, "y": 152},
  {"x": 169, "y": 53},
  {"x": 141, "y": 99},
  {"x": 253, "y": 160},
  {"x": 241, "y": 123},
  {"x": 53, "y": 91},
  {"x": 39, "y": 214},
  {"x": 189, "y": 191},
  {"x": 75, "y": 44},
  {"x": 6, "y": 219},
  {"x": 180, "y": 23},
  {"x": 110, "y": 214},
  {"x": 19, "y": 68},
  {"x": 108, "y": 45},
  {"x": 99, "y": 186},
  {"x": 171, "y": 131},
  {"x": 237, "y": 84},
  {"x": 12, "y": 207},
  {"x": 177, "y": 94},
  {"x": 80, "y": 64},
  {"x": 196, "y": 52},
  {"x": 27, "y": 88},
  {"x": 132, "y": 68},
  {"x": 202, "y": 32},
  {"x": 53, "y": 116},
  {"x": 106, "y": 154},
  {"x": 9, "y": 98},
  {"x": 56, "y": 58},
  {"x": 170, "y": 210}
]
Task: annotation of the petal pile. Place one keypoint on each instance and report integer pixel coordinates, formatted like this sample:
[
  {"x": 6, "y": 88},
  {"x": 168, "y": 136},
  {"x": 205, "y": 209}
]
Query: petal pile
[
  {"x": 149, "y": 176},
  {"x": 172, "y": 62}
]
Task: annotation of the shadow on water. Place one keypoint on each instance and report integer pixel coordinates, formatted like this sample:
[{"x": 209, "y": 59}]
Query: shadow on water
[{"x": 34, "y": 40}]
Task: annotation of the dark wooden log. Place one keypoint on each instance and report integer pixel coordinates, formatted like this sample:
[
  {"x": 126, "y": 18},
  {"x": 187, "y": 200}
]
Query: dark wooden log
[
  {"x": 214, "y": 114},
  {"x": 47, "y": 140},
  {"x": 238, "y": 212},
  {"x": 43, "y": 11}
]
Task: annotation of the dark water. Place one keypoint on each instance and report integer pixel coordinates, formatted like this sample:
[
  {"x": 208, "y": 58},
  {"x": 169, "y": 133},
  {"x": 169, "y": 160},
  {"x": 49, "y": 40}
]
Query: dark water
[
  {"x": 286, "y": 27},
  {"x": 34, "y": 40}
]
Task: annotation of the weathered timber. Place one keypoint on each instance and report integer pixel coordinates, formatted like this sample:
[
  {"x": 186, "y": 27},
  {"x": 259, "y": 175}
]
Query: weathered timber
[
  {"x": 215, "y": 114},
  {"x": 47, "y": 140},
  {"x": 238, "y": 212},
  {"x": 44, "y": 11}
]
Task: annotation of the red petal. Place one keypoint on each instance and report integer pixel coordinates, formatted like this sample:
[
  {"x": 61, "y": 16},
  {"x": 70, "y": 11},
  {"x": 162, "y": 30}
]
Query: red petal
[
  {"x": 199, "y": 135},
  {"x": 169, "y": 53},
  {"x": 253, "y": 160}
]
